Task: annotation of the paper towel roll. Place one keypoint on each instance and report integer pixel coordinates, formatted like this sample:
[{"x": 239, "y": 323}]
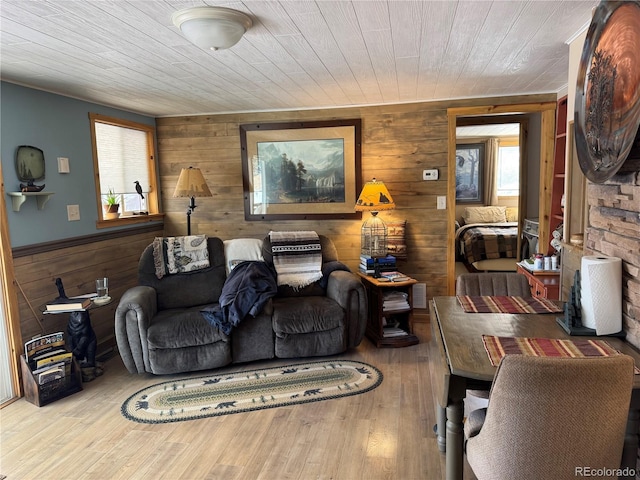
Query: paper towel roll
[{"x": 601, "y": 294}]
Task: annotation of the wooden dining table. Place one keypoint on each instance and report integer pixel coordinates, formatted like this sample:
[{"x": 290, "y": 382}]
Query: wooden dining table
[{"x": 461, "y": 362}]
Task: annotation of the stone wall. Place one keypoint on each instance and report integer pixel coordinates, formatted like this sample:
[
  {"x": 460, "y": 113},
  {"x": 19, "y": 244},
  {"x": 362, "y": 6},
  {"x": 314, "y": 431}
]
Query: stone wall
[{"x": 614, "y": 230}]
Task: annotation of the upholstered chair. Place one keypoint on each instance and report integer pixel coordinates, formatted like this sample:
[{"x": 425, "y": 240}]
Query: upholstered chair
[
  {"x": 487, "y": 284},
  {"x": 493, "y": 283},
  {"x": 548, "y": 417}
]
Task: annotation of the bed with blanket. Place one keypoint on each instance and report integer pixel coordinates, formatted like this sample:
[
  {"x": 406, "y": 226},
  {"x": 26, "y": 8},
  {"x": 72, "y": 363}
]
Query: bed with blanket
[{"x": 486, "y": 240}]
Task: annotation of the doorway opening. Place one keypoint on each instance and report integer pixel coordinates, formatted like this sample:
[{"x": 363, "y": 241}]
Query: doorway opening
[{"x": 536, "y": 142}]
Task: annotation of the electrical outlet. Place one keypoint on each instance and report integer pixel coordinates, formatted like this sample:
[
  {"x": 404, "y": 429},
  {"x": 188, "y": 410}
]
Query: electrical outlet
[
  {"x": 419, "y": 295},
  {"x": 441, "y": 202},
  {"x": 73, "y": 213}
]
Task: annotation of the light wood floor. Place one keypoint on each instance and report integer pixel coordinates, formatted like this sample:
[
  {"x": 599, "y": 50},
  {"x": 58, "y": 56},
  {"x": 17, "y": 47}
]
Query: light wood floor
[{"x": 383, "y": 434}]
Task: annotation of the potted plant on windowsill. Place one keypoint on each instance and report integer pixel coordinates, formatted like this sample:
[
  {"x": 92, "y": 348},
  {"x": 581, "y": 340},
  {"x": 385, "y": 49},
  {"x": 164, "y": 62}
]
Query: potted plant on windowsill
[{"x": 111, "y": 207}]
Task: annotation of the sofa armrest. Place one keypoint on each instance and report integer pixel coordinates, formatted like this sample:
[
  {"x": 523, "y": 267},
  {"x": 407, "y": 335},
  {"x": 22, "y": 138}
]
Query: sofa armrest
[
  {"x": 137, "y": 307},
  {"x": 346, "y": 289}
]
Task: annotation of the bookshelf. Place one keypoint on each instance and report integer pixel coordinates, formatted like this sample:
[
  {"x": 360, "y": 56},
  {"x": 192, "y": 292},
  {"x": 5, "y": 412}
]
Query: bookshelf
[{"x": 556, "y": 214}]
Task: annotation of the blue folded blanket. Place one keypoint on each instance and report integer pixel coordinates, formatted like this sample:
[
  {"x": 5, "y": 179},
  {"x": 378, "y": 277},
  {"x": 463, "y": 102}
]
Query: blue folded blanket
[{"x": 247, "y": 289}]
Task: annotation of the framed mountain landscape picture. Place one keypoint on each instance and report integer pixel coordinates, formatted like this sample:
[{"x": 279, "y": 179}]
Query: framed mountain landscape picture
[{"x": 301, "y": 170}]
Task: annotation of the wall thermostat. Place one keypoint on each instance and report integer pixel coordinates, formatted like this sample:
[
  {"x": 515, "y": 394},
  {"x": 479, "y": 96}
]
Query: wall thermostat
[{"x": 430, "y": 174}]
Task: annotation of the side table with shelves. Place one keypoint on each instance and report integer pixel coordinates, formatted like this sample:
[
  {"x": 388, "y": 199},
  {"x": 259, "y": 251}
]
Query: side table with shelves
[
  {"x": 402, "y": 316},
  {"x": 81, "y": 335},
  {"x": 545, "y": 284}
]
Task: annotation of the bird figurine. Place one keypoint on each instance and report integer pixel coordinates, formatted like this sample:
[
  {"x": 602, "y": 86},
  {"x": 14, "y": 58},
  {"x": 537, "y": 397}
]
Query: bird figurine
[
  {"x": 139, "y": 189},
  {"x": 30, "y": 187}
]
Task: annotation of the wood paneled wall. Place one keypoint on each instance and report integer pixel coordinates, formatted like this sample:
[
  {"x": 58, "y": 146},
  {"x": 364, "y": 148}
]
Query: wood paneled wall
[
  {"x": 78, "y": 263},
  {"x": 398, "y": 143}
]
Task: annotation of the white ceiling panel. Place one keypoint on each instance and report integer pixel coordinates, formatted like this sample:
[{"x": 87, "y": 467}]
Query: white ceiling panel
[{"x": 298, "y": 54}]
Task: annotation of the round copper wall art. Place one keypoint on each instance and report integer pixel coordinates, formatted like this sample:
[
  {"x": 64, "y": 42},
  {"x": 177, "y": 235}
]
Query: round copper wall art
[{"x": 607, "y": 112}]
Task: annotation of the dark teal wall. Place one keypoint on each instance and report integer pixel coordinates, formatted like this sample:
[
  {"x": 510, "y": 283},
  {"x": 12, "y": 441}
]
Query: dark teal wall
[{"x": 60, "y": 127}]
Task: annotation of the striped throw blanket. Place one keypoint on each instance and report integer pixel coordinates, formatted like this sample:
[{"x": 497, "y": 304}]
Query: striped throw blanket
[{"x": 297, "y": 257}]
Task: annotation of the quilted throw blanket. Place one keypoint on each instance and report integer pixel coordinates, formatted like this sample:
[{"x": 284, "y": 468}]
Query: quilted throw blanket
[
  {"x": 180, "y": 254},
  {"x": 488, "y": 241},
  {"x": 297, "y": 257}
]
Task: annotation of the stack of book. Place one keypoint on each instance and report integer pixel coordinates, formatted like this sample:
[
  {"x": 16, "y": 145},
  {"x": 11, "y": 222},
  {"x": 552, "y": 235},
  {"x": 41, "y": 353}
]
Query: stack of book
[
  {"x": 390, "y": 332},
  {"x": 395, "y": 300},
  {"x": 395, "y": 276},
  {"x": 392, "y": 329},
  {"x": 47, "y": 357},
  {"x": 68, "y": 304},
  {"x": 368, "y": 264}
]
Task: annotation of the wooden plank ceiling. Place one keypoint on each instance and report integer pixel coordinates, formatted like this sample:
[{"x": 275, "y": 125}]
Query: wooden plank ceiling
[{"x": 297, "y": 55}]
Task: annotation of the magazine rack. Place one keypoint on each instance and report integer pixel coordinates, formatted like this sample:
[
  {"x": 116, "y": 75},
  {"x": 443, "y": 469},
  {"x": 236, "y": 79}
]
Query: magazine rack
[{"x": 41, "y": 395}]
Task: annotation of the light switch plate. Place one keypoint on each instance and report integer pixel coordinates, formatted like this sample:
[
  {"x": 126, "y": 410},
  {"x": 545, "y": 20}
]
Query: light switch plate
[
  {"x": 73, "y": 213},
  {"x": 441, "y": 202},
  {"x": 63, "y": 165}
]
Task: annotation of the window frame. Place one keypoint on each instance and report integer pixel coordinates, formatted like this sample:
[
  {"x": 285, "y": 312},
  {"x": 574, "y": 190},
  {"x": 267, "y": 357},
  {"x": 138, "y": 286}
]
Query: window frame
[
  {"x": 153, "y": 201},
  {"x": 508, "y": 142}
]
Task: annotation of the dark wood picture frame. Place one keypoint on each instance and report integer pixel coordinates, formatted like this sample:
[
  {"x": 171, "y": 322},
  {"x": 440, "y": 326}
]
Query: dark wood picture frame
[
  {"x": 301, "y": 170},
  {"x": 470, "y": 158}
]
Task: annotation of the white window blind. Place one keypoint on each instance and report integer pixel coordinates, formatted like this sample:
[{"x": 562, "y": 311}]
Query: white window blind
[
  {"x": 508, "y": 171},
  {"x": 122, "y": 158}
]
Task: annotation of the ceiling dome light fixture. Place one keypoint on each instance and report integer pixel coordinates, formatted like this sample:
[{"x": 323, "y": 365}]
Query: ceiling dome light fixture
[{"x": 216, "y": 28}]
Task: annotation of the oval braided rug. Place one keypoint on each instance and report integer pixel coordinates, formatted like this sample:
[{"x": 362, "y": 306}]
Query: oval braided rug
[{"x": 244, "y": 391}]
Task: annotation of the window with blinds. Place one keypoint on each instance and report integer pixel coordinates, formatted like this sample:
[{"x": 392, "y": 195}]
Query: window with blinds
[
  {"x": 508, "y": 171},
  {"x": 123, "y": 155}
]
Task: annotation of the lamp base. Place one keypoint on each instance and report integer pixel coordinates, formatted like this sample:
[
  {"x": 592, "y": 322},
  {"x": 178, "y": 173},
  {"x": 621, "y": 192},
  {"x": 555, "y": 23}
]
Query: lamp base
[
  {"x": 373, "y": 237},
  {"x": 192, "y": 207}
]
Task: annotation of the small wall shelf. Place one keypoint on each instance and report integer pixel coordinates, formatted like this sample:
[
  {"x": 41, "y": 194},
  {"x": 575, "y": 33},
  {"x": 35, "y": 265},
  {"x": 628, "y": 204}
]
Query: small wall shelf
[{"x": 18, "y": 198}]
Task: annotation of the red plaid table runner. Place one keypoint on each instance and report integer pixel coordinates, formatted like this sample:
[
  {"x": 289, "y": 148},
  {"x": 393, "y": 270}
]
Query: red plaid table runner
[
  {"x": 505, "y": 304},
  {"x": 498, "y": 347}
]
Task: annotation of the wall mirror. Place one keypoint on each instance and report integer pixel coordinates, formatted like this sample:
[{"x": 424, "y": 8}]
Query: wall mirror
[{"x": 29, "y": 164}]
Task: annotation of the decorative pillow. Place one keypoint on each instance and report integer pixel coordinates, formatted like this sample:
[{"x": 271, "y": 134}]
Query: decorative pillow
[
  {"x": 240, "y": 250},
  {"x": 512, "y": 214},
  {"x": 396, "y": 244},
  {"x": 493, "y": 214}
]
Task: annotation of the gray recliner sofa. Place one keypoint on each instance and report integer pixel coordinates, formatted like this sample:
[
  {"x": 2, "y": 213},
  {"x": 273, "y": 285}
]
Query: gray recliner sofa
[{"x": 160, "y": 328}]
